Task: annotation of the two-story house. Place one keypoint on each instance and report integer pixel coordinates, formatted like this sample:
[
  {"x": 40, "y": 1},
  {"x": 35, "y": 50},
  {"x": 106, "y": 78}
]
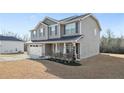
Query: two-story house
[{"x": 50, "y": 36}]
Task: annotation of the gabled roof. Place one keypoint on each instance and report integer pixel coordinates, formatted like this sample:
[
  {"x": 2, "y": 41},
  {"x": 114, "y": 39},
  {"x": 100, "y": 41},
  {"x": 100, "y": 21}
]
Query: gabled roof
[
  {"x": 81, "y": 17},
  {"x": 62, "y": 39},
  {"x": 74, "y": 17},
  {"x": 50, "y": 20},
  {"x": 8, "y": 38},
  {"x": 68, "y": 19}
]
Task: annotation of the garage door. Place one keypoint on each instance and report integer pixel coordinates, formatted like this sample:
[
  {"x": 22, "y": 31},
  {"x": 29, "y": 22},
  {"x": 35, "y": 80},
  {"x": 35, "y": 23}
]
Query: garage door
[{"x": 35, "y": 50}]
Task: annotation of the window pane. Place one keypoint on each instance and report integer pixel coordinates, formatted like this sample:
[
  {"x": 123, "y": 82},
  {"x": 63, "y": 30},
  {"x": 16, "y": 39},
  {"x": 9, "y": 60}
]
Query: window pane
[
  {"x": 55, "y": 30},
  {"x": 34, "y": 33},
  {"x": 77, "y": 25},
  {"x": 70, "y": 28},
  {"x": 43, "y": 31}
]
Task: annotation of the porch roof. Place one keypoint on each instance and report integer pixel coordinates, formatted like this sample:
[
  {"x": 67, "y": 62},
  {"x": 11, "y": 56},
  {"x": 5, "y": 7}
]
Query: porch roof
[{"x": 62, "y": 39}]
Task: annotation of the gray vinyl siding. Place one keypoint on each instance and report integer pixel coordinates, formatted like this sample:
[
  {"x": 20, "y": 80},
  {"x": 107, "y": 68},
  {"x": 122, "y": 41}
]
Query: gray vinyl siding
[
  {"x": 89, "y": 44},
  {"x": 38, "y": 37}
]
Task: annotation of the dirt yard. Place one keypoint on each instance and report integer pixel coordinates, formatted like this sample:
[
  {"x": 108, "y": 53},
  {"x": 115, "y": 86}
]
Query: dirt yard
[
  {"x": 23, "y": 69},
  {"x": 13, "y": 57},
  {"x": 103, "y": 66}
]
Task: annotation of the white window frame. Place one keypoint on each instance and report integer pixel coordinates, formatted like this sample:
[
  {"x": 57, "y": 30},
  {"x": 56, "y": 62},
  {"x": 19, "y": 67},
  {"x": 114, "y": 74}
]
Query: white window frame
[
  {"x": 41, "y": 32},
  {"x": 70, "y": 28},
  {"x": 53, "y": 29}
]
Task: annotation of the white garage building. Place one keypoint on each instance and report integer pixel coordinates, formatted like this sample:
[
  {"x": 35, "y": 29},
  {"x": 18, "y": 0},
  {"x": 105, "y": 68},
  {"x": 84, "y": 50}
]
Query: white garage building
[{"x": 9, "y": 44}]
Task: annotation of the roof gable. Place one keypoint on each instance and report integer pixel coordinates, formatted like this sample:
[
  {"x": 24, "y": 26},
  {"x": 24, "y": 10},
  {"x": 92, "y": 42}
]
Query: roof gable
[{"x": 49, "y": 21}]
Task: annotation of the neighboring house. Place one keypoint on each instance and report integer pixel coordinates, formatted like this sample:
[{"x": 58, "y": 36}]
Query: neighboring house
[
  {"x": 122, "y": 43},
  {"x": 9, "y": 44},
  {"x": 80, "y": 33}
]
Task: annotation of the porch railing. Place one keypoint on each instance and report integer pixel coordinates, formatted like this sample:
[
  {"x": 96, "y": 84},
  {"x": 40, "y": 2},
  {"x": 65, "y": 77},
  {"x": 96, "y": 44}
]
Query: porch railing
[{"x": 67, "y": 56}]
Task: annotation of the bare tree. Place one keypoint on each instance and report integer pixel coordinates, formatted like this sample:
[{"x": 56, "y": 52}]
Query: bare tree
[{"x": 110, "y": 43}]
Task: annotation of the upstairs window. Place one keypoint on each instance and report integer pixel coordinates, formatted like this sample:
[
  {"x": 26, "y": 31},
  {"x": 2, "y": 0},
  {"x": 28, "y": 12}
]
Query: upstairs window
[
  {"x": 53, "y": 30},
  {"x": 50, "y": 32},
  {"x": 34, "y": 33},
  {"x": 42, "y": 32},
  {"x": 77, "y": 27},
  {"x": 70, "y": 28}
]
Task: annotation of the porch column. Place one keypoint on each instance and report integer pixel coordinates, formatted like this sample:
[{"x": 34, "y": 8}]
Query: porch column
[
  {"x": 80, "y": 26},
  {"x": 74, "y": 47},
  {"x": 44, "y": 50},
  {"x": 64, "y": 48},
  {"x": 56, "y": 48}
]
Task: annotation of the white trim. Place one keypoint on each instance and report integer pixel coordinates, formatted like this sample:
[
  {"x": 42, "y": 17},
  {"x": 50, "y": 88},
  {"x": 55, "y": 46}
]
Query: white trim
[
  {"x": 35, "y": 28},
  {"x": 56, "y": 48},
  {"x": 80, "y": 27},
  {"x": 49, "y": 42},
  {"x": 64, "y": 48},
  {"x": 50, "y": 19},
  {"x": 79, "y": 38},
  {"x": 86, "y": 16}
]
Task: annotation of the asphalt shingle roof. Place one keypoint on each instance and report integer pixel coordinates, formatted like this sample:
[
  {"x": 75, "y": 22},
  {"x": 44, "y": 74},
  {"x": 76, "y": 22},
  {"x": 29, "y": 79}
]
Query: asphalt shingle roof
[
  {"x": 74, "y": 17},
  {"x": 9, "y": 38},
  {"x": 65, "y": 38}
]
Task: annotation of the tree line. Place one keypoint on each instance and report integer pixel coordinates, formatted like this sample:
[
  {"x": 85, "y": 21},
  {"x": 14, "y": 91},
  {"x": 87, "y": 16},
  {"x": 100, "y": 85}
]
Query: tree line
[{"x": 111, "y": 44}]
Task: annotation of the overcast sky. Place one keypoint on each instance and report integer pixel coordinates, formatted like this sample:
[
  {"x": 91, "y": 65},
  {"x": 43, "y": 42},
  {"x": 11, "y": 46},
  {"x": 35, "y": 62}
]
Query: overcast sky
[{"x": 21, "y": 23}]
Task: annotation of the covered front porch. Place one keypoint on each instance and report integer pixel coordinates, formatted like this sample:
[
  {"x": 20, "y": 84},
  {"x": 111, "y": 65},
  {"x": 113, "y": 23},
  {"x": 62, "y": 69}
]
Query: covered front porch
[
  {"x": 63, "y": 51},
  {"x": 64, "y": 48}
]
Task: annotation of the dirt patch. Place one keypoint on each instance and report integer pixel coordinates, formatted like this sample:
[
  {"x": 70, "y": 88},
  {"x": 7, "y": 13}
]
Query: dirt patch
[
  {"x": 98, "y": 67},
  {"x": 23, "y": 69}
]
